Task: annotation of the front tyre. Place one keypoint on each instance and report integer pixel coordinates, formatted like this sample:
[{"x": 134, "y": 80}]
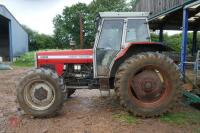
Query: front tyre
[
  {"x": 148, "y": 84},
  {"x": 40, "y": 93}
]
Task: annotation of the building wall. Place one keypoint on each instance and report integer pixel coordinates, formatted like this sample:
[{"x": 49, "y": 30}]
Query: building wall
[
  {"x": 19, "y": 39},
  {"x": 158, "y": 6},
  {"x": 18, "y": 36}
]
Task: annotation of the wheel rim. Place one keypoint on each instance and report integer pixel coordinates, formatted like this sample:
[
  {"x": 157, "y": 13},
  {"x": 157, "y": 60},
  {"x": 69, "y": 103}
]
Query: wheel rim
[
  {"x": 39, "y": 95},
  {"x": 149, "y": 86}
]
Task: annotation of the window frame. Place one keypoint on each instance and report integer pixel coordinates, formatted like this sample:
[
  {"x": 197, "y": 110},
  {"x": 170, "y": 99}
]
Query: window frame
[
  {"x": 124, "y": 45},
  {"x": 101, "y": 28}
]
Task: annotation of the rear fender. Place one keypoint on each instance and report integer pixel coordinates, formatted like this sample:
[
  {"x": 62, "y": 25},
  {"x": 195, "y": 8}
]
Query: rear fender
[{"x": 135, "y": 48}]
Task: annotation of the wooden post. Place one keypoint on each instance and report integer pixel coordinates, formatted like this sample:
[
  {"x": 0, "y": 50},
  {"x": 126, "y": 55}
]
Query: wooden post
[{"x": 81, "y": 30}]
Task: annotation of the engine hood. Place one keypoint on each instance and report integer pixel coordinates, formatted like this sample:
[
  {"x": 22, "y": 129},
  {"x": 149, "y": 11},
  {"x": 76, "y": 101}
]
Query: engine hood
[{"x": 65, "y": 56}]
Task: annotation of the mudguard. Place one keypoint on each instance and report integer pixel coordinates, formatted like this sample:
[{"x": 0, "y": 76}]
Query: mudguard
[
  {"x": 154, "y": 45},
  {"x": 134, "y": 48}
]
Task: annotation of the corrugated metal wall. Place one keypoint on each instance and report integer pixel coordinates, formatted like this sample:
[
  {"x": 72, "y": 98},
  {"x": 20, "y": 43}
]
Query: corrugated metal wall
[
  {"x": 18, "y": 36},
  {"x": 19, "y": 39},
  {"x": 157, "y": 6}
]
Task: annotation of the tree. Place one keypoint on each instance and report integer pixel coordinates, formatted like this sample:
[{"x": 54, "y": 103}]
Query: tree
[
  {"x": 39, "y": 41},
  {"x": 97, "y": 6},
  {"x": 67, "y": 24},
  {"x": 132, "y": 4},
  {"x": 175, "y": 41}
]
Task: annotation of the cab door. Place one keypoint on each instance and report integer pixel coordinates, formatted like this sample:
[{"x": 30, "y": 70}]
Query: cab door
[{"x": 107, "y": 46}]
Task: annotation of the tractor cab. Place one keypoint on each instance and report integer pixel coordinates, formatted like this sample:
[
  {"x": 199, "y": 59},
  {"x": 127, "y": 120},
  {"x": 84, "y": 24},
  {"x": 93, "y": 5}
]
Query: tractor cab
[{"x": 116, "y": 30}]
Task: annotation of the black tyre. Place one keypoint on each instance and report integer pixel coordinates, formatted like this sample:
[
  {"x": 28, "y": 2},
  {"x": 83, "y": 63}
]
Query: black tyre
[
  {"x": 148, "y": 84},
  {"x": 40, "y": 93}
]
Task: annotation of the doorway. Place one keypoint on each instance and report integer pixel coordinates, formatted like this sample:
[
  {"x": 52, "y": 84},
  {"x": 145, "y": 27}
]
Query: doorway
[{"x": 4, "y": 39}]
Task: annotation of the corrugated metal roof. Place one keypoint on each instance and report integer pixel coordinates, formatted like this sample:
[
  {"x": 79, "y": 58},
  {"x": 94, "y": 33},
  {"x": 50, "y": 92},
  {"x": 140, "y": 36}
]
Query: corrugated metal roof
[
  {"x": 172, "y": 19},
  {"x": 3, "y": 9},
  {"x": 173, "y": 9}
]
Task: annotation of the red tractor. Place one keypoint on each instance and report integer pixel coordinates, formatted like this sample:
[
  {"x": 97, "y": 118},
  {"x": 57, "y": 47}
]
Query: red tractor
[{"x": 147, "y": 83}]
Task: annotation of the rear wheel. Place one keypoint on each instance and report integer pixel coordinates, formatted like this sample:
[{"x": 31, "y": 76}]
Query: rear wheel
[
  {"x": 40, "y": 93},
  {"x": 148, "y": 84}
]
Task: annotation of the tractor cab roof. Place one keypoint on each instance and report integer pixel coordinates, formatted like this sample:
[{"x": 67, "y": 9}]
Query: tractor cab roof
[{"x": 123, "y": 14}]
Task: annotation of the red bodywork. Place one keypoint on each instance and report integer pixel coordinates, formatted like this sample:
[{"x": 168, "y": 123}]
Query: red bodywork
[
  {"x": 121, "y": 54},
  {"x": 59, "y": 58},
  {"x": 84, "y": 56}
]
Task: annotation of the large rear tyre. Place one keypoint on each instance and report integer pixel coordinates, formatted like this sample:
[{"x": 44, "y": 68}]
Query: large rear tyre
[
  {"x": 148, "y": 84},
  {"x": 40, "y": 93}
]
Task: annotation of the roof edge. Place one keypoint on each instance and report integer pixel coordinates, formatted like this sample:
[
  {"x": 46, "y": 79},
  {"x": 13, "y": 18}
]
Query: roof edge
[
  {"x": 3, "y": 6},
  {"x": 123, "y": 14}
]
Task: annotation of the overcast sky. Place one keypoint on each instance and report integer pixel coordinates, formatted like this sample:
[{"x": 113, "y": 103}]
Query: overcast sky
[{"x": 38, "y": 14}]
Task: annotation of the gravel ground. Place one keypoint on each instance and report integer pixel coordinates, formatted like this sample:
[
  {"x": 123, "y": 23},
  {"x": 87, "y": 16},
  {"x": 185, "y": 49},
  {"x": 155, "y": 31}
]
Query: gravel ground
[{"x": 86, "y": 112}]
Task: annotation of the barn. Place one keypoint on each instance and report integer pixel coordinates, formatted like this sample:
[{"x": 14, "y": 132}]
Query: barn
[
  {"x": 13, "y": 38},
  {"x": 175, "y": 15},
  {"x": 166, "y": 14}
]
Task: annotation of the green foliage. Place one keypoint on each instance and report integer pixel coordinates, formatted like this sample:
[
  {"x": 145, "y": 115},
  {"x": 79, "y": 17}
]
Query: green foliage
[
  {"x": 154, "y": 37},
  {"x": 39, "y": 41},
  {"x": 182, "y": 118},
  {"x": 26, "y": 60},
  {"x": 97, "y": 6},
  {"x": 125, "y": 117},
  {"x": 67, "y": 24},
  {"x": 175, "y": 41},
  {"x": 197, "y": 130},
  {"x": 132, "y": 4}
]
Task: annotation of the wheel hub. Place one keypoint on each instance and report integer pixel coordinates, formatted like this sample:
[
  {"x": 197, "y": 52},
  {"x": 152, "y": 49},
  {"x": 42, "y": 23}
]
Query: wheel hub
[
  {"x": 40, "y": 94},
  {"x": 147, "y": 86}
]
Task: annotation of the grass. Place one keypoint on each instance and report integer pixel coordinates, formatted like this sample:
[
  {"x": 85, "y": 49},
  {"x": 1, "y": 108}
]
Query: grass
[
  {"x": 26, "y": 60},
  {"x": 179, "y": 118},
  {"x": 197, "y": 130},
  {"x": 182, "y": 118},
  {"x": 125, "y": 117}
]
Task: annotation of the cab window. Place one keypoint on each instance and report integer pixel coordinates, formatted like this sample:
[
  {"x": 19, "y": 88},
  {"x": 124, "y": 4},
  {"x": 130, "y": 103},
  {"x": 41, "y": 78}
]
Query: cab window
[
  {"x": 137, "y": 31},
  {"x": 111, "y": 34}
]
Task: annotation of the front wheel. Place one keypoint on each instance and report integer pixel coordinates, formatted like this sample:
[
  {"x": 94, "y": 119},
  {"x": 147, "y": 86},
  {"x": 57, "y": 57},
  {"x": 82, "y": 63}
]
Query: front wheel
[
  {"x": 40, "y": 93},
  {"x": 148, "y": 84}
]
